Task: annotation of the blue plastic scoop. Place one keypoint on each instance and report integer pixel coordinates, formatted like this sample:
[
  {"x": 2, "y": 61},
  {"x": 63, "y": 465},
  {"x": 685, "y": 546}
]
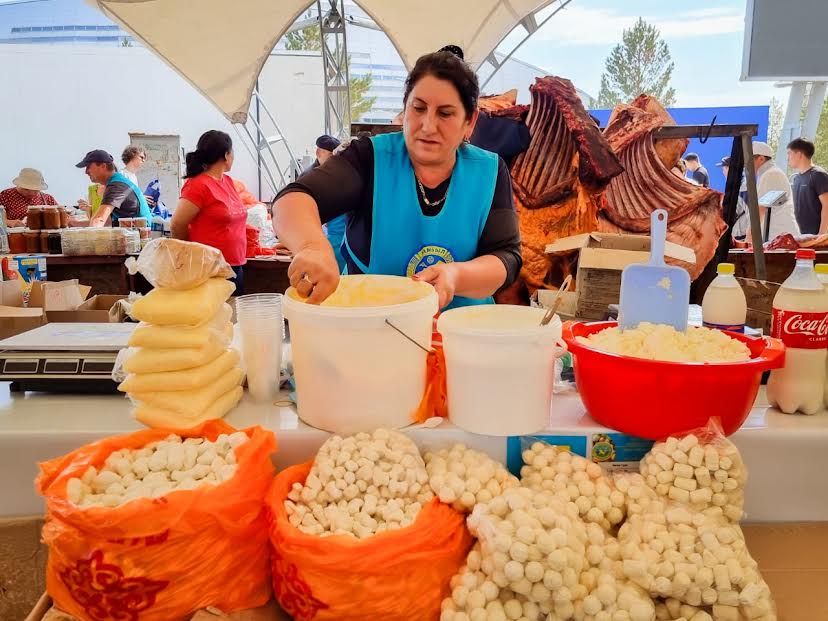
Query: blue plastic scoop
[{"x": 654, "y": 291}]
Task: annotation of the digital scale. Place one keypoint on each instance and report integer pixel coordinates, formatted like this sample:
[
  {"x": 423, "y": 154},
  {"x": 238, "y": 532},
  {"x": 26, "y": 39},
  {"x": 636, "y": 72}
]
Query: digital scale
[{"x": 64, "y": 357}]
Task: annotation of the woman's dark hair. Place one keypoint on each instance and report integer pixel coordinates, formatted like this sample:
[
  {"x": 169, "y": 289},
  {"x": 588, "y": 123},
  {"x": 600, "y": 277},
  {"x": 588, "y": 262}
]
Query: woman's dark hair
[
  {"x": 446, "y": 65},
  {"x": 213, "y": 146},
  {"x": 130, "y": 153}
]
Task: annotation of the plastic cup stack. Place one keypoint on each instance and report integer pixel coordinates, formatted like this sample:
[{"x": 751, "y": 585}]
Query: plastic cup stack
[{"x": 261, "y": 327}]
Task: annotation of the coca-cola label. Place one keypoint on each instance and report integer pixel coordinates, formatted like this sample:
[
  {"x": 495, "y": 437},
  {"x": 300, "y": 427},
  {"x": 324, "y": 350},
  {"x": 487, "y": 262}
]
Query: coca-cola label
[{"x": 800, "y": 330}]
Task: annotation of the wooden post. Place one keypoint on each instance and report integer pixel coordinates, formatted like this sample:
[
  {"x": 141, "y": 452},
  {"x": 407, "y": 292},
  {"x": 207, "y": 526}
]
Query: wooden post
[{"x": 753, "y": 208}]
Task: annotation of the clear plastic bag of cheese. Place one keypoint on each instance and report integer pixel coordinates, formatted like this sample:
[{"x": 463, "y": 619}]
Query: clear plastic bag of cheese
[
  {"x": 179, "y": 369},
  {"x": 694, "y": 565},
  {"x": 699, "y": 468},
  {"x": 159, "y": 558},
  {"x": 396, "y": 575},
  {"x": 180, "y": 265}
]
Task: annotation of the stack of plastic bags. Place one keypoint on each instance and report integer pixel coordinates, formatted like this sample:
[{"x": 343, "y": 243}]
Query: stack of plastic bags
[{"x": 179, "y": 368}]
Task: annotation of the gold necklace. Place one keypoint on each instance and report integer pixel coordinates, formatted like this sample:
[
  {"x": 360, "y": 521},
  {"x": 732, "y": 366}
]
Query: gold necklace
[{"x": 425, "y": 198}]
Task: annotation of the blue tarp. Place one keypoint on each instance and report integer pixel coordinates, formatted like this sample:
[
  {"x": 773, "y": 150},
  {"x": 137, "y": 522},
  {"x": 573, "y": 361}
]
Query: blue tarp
[{"x": 714, "y": 149}]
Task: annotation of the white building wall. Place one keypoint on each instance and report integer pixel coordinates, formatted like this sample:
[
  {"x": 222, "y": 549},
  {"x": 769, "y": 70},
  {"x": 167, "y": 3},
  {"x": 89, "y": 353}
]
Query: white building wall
[{"x": 58, "y": 102}]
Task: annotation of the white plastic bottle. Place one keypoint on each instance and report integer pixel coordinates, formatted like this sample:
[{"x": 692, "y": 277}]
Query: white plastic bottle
[
  {"x": 821, "y": 270},
  {"x": 800, "y": 319},
  {"x": 724, "y": 305}
]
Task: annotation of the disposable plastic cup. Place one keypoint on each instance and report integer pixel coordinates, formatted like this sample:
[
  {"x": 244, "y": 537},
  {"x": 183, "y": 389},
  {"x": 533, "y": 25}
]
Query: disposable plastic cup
[{"x": 261, "y": 327}]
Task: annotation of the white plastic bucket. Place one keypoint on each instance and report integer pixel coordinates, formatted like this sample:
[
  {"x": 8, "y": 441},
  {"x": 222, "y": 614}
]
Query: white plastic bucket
[
  {"x": 500, "y": 367},
  {"x": 353, "y": 371}
]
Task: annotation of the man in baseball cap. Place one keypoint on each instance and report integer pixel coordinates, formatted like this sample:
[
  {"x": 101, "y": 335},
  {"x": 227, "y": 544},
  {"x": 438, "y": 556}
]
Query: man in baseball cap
[
  {"x": 325, "y": 146},
  {"x": 96, "y": 156},
  {"x": 121, "y": 198},
  {"x": 770, "y": 177}
]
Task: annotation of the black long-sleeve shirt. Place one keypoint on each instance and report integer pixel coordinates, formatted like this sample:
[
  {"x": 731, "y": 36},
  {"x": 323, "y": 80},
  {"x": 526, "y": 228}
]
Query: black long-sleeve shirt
[{"x": 344, "y": 184}]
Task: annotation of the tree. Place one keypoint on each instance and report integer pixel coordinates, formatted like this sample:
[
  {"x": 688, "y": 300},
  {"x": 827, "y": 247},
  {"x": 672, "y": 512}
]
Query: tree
[
  {"x": 821, "y": 138},
  {"x": 360, "y": 103},
  {"x": 776, "y": 119},
  {"x": 308, "y": 39},
  {"x": 641, "y": 63}
]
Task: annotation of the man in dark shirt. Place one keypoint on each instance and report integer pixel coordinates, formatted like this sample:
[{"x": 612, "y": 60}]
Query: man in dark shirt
[
  {"x": 699, "y": 172},
  {"x": 810, "y": 188},
  {"x": 121, "y": 198}
]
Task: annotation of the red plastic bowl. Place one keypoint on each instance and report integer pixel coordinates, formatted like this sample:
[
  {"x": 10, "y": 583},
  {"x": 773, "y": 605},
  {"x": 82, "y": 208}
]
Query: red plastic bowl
[{"x": 654, "y": 399}]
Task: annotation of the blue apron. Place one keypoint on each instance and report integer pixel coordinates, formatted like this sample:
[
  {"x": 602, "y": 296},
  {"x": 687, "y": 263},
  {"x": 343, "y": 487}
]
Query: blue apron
[
  {"x": 404, "y": 242},
  {"x": 335, "y": 230},
  {"x": 143, "y": 207}
]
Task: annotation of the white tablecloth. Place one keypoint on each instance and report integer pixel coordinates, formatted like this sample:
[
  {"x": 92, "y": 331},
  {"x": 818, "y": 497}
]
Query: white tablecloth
[{"x": 787, "y": 456}]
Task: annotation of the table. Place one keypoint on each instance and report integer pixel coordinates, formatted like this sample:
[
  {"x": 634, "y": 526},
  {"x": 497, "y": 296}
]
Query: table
[
  {"x": 785, "y": 455},
  {"x": 780, "y": 263},
  {"x": 108, "y": 275}
]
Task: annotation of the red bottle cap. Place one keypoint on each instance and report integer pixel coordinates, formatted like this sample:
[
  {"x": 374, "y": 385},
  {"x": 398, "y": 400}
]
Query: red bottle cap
[{"x": 806, "y": 253}]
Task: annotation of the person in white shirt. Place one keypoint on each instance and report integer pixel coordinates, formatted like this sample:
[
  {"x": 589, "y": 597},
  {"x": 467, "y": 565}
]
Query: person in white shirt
[
  {"x": 770, "y": 177},
  {"x": 133, "y": 158}
]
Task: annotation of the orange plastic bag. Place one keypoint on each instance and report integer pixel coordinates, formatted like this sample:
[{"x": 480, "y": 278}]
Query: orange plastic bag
[
  {"x": 400, "y": 575},
  {"x": 160, "y": 559},
  {"x": 435, "y": 397}
]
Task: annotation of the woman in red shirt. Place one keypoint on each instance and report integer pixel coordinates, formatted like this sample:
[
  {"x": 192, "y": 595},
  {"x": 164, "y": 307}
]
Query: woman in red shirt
[{"x": 210, "y": 210}]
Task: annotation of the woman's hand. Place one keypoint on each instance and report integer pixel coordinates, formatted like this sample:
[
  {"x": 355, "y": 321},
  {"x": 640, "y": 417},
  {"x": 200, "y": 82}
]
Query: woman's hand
[
  {"x": 443, "y": 277},
  {"x": 314, "y": 272}
]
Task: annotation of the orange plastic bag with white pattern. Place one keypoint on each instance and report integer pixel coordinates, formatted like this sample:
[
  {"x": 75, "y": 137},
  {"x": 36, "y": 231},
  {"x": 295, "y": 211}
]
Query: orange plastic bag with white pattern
[
  {"x": 397, "y": 575},
  {"x": 160, "y": 559}
]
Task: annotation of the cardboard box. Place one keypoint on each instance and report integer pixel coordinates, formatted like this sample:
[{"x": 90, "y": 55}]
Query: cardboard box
[
  {"x": 44, "y": 611},
  {"x": 759, "y": 295},
  {"x": 601, "y": 257},
  {"x": 66, "y": 295},
  {"x": 793, "y": 562},
  {"x": 96, "y": 309},
  {"x": 14, "y": 319},
  {"x": 25, "y": 270},
  {"x": 22, "y": 565}
]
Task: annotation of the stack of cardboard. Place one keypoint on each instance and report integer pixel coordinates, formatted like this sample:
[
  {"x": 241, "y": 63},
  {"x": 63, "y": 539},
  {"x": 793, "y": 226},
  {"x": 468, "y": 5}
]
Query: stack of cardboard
[
  {"x": 600, "y": 258},
  {"x": 64, "y": 302}
]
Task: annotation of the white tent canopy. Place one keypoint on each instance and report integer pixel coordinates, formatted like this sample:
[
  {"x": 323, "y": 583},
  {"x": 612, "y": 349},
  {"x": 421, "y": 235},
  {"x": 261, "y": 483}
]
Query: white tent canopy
[{"x": 220, "y": 47}]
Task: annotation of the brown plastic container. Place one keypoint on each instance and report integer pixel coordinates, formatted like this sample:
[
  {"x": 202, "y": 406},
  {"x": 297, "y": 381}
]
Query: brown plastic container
[
  {"x": 34, "y": 218},
  {"x": 64, "y": 219},
  {"x": 44, "y": 242},
  {"x": 32, "y": 242},
  {"x": 51, "y": 218},
  {"x": 17, "y": 241}
]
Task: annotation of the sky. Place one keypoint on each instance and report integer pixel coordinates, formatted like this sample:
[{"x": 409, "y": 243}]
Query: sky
[{"x": 705, "y": 38}]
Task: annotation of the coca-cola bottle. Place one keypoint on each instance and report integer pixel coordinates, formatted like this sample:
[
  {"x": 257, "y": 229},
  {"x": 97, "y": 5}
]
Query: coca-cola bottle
[{"x": 800, "y": 319}]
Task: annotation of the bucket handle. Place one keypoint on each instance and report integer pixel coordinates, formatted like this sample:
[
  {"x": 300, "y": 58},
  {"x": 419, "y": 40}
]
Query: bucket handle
[{"x": 427, "y": 350}]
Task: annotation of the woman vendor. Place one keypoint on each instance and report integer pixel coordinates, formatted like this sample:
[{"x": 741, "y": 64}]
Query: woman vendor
[{"x": 423, "y": 203}]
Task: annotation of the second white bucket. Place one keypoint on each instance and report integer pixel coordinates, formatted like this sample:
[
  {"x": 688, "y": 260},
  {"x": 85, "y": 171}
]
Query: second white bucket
[
  {"x": 500, "y": 367},
  {"x": 353, "y": 371}
]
